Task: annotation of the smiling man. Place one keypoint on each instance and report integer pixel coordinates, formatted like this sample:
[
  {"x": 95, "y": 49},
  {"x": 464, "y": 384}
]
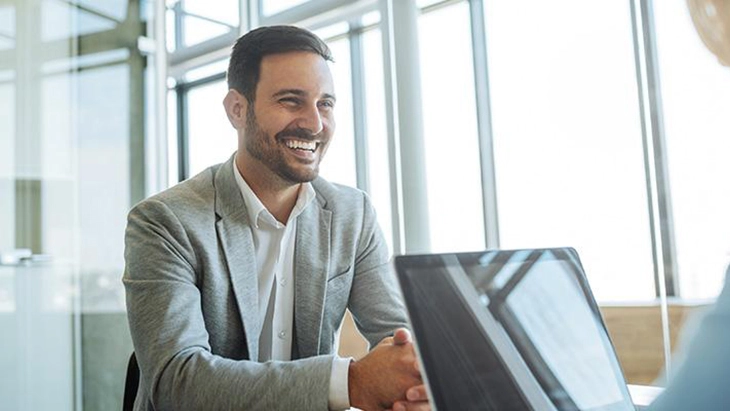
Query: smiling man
[{"x": 238, "y": 279}]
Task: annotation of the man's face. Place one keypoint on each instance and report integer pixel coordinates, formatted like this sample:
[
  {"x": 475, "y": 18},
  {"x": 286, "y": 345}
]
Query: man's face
[{"x": 290, "y": 124}]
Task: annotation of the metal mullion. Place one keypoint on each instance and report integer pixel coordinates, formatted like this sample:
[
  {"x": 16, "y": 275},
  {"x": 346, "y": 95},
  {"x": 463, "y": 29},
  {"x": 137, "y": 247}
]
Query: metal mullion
[
  {"x": 391, "y": 106},
  {"x": 657, "y": 177},
  {"x": 484, "y": 124},
  {"x": 359, "y": 107},
  {"x": 183, "y": 163},
  {"x": 203, "y": 81},
  {"x": 179, "y": 25},
  {"x": 666, "y": 227},
  {"x": 647, "y": 77}
]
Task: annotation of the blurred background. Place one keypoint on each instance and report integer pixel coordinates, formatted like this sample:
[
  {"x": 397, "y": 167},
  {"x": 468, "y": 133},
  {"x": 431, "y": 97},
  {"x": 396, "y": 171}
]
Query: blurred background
[{"x": 473, "y": 124}]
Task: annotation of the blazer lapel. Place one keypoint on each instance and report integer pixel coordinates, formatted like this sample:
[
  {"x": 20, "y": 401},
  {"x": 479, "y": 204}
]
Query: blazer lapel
[
  {"x": 234, "y": 234},
  {"x": 311, "y": 265}
]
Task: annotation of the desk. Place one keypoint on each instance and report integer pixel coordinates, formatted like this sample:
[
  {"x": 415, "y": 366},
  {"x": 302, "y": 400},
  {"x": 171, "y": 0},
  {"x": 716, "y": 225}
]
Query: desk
[{"x": 643, "y": 395}]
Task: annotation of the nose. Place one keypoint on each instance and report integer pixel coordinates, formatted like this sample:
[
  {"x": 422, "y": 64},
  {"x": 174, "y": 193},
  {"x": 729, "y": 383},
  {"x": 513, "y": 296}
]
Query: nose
[{"x": 311, "y": 120}]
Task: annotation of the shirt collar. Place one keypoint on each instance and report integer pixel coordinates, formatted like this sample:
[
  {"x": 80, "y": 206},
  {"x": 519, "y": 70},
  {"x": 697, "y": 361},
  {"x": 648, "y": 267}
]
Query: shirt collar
[{"x": 256, "y": 209}]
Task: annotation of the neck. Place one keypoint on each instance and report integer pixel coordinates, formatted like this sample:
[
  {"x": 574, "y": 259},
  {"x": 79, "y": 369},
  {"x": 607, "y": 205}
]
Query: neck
[{"x": 277, "y": 195}]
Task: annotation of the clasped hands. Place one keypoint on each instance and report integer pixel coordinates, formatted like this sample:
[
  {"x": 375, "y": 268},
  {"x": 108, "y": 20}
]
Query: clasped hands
[{"x": 388, "y": 377}]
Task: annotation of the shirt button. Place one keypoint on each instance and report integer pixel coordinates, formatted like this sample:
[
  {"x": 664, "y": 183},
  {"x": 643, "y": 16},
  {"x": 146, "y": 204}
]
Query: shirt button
[
  {"x": 282, "y": 282},
  {"x": 282, "y": 334}
]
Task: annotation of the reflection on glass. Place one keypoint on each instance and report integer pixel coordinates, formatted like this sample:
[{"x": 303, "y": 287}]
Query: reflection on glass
[
  {"x": 450, "y": 131},
  {"x": 567, "y": 138},
  {"x": 61, "y": 20},
  {"x": 338, "y": 165},
  {"x": 211, "y": 138},
  {"x": 378, "y": 167},
  {"x": 102, "y": 206},
  {"x": 696, "y": 102}
]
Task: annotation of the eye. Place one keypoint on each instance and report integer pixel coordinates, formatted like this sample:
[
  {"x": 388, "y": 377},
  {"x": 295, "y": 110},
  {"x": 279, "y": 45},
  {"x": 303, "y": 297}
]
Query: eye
[
  {"x": 328, "y": 104},
  {"x": 290, "y": 101}
]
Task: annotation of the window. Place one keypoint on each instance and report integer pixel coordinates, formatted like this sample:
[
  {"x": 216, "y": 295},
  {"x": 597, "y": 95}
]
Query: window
[
  {"x": 211, "y": 138},
  {"x": 338, "y": 165},
  {"x": 567, "y": 138},
  {"x": 378, "y": 169},
  {"x": 450, "y": 130}
]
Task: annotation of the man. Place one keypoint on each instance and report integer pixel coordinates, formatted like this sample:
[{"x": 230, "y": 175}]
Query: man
[{"x": 237, "y": 280}]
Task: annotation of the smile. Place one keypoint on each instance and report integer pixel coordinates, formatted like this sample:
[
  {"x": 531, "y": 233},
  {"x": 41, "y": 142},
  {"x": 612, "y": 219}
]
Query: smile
[{"x": 302, "y": 145}]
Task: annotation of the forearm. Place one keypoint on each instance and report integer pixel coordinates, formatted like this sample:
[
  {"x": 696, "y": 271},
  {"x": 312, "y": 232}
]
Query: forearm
[{"x": 195, "y": 379}]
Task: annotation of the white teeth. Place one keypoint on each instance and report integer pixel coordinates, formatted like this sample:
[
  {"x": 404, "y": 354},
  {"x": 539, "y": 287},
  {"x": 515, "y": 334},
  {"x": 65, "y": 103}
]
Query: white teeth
[{"x": 302, "y": 145}]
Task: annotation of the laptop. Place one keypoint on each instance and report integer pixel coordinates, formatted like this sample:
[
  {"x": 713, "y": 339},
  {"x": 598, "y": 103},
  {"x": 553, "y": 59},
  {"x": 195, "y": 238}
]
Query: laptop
[{"x": 510, "y": 330}]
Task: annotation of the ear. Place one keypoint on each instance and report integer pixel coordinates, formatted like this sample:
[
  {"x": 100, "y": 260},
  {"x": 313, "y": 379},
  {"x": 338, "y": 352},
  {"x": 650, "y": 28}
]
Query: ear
[{"x": 235, "y": 104}]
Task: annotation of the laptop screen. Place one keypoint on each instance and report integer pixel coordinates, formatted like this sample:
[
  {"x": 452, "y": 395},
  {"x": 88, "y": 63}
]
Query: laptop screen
[{"x": 510, "y": 330}]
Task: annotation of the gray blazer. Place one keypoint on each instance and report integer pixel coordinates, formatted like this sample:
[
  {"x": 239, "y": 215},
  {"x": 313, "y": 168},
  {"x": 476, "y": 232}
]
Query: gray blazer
[
  {"x": 702, "y": 380},
  {"x": 192, "y": 296}
]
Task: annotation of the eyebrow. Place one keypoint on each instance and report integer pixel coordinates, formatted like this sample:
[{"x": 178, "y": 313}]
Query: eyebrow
[{"x": 301, "y": 93}]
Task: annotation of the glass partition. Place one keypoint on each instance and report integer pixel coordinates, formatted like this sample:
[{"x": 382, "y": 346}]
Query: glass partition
[{"x": 73, "y": 92}]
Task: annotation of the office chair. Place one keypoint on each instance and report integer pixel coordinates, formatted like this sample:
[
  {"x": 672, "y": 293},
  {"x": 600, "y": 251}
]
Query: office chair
[{"x": 131, "y": 384}]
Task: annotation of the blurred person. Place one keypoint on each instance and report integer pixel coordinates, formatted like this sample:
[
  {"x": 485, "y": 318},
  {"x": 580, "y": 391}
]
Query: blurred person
[
  {"x": 238, "y": 279},
  {"x": 701, "y": 381}
]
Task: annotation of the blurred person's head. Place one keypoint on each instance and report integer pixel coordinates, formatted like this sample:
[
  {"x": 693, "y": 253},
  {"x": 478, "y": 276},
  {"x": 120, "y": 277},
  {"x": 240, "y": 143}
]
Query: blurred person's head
[{"x": 712, "y": 21}]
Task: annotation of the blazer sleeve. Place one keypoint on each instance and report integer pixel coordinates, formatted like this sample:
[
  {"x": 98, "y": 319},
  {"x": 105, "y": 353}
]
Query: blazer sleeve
[
  {"x": 178, "y": 369},
  {"x": 701, "y": 380},
  {"x": 375, "y": 300}
]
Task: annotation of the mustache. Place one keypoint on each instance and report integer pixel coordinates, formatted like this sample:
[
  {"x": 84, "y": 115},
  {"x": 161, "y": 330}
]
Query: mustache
[{"x": 298, "y": 133}]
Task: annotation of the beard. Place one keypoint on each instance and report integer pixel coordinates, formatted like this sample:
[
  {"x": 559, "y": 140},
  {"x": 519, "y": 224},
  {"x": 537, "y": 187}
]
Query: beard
[{"x": 270, "y": 151}]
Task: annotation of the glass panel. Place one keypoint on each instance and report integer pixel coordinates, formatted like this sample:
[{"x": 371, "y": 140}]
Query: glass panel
[
  {"x": 7, "y": 169},
  {"x": 69, "y": 149},
  {"x": 101, "y": 161},
  {"x": 339, "y": 165},
  {"x": 204, "y": 20},
  {"x": 170, "y": 30},
  {"x": 113, "y": 9},
  {"x": 696, "y": 101},
  {"x": 223, "y": 11},
  {"x": 378, "y": 167},
  {"x": 211, "y": 138},
  {"x": 450, "y": 131},
  {"x": 61, "y": 20},
  {"x": 7, "y": 27},
  {"x": 198, "y": 30},
  {"x": 567, "y": 138},
  {"x": 269, "y": 7},
  {"x": 207, "y": 70}
]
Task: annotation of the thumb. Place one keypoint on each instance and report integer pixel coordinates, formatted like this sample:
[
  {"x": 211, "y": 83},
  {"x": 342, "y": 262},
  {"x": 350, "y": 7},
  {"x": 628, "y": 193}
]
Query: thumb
[{"x": 402, "y": 336}]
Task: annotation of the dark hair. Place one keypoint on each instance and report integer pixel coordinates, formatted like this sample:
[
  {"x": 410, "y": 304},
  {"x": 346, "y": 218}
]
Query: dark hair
[{"x": 246, "y": 55}]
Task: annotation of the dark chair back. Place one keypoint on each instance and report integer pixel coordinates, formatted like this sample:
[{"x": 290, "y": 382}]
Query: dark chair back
[{"x": 131, "y": 384}]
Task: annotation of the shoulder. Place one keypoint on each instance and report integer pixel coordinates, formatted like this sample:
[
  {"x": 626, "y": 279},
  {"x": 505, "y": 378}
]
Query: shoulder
[{"x": 188, "y": 199}]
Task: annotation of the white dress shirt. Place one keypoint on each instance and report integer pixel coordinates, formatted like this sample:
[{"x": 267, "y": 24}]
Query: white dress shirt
[{"x": 274, "y": 248}]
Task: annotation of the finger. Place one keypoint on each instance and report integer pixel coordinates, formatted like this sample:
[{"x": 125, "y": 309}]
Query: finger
[
  {"x": 402, "y": 336},
  {"x": 386, "y": 341},
  {"x": 412, "y": 406},
  {"x": 417, "y": 393}
]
